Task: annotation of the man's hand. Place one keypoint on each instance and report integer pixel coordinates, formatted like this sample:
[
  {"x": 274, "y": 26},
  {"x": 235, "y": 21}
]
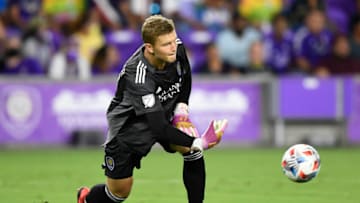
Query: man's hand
[
  {"x": 182, "y": 121},
  {"x": 213, "y": 134}
]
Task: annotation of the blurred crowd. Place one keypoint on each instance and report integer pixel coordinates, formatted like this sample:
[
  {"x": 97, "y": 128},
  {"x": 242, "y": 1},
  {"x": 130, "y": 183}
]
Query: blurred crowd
[{"x": 86, "y": 38}]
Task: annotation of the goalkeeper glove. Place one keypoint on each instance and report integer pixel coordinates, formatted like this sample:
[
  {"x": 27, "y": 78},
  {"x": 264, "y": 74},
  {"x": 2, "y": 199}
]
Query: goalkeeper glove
[
  {"x": 182, "y": 121},
  {"x": 212, "y": 135}
]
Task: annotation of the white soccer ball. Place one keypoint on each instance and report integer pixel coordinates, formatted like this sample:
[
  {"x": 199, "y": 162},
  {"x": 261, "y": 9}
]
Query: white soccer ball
[{"x": 301, "y": 163}]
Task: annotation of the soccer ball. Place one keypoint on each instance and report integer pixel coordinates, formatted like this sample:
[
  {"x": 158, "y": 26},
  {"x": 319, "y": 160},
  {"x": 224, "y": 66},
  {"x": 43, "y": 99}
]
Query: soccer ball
[{"x": 301, "y": 163}]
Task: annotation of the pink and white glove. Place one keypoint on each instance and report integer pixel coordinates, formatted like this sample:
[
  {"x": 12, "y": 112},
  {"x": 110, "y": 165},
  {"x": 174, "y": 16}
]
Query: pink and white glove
[
  {"x": 213, "y": 134},
  {"x": 182, "y": 121}
]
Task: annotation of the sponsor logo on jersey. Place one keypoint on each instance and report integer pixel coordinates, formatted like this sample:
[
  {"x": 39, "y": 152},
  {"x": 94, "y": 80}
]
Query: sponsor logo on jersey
[
  {"x": 148, "y": 100},
  {"x": 169, "y": 93}
]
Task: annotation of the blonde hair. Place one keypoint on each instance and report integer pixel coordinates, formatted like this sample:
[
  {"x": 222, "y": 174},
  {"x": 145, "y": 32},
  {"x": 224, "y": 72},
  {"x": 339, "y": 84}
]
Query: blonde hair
[{"x": 154, "y": 26}]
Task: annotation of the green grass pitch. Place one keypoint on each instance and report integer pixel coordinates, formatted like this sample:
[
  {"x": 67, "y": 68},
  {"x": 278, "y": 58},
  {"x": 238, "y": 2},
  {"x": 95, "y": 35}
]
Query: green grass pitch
[{"x": 234, "y": 175}]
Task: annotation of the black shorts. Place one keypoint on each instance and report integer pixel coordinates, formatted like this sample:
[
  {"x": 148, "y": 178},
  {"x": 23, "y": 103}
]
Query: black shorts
[
  {"x": 119, "y": 160},
  {"x": 166, "y": 146}
]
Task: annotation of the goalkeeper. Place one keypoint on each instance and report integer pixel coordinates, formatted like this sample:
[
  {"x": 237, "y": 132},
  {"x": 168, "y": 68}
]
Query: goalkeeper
[{"x": 150, "y": 105}]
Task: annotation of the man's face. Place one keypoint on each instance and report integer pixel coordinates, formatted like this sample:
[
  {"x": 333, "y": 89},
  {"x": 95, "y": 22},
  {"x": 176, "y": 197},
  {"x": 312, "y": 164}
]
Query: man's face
[
  {"x": 341, "y": 47},
  {"x": 316, "y": 22},
  {"x": 165, "y": 47},
  {"x": 280, "y": 26}
]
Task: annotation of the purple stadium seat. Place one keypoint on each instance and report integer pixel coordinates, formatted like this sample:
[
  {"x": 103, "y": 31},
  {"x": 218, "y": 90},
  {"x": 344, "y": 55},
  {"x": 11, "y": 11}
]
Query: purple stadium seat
[
  {"x": 127, "y": 41},
  {"x": 339, "y": 18},
  {"x": 196, "y": 42}
]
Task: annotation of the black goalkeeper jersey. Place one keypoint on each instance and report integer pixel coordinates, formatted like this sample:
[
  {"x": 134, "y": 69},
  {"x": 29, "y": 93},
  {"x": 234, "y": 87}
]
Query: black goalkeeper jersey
[{"x": 143, "y": 89}]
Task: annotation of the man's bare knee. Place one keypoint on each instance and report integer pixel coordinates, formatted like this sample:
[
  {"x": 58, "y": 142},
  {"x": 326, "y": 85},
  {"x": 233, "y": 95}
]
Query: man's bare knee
[
  {"x": 120, "y": 187},
  {"x": 180, "y": 149}
]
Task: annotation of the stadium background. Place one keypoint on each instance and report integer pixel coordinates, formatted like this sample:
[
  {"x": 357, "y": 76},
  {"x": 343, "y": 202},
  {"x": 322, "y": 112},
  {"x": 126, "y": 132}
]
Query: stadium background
[{"x": 59, "y": 63}]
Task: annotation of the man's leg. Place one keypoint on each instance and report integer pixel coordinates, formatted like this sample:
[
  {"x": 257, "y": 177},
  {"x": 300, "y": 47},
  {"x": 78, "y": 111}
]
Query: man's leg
[
  {"x": 193, "y": 173},
  {"x": 194, "y": 176},
  {"x": 119, "y": 163},
  {"x": 115, "y": 191}
]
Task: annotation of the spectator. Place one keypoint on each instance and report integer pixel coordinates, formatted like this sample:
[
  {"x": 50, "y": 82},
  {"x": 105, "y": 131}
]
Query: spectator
[
  {"x": 140, "y": 8},
  {"x": 19, "y": 13},
  {"x": 355, "y": 40},
  {"x": 312, "y": 42},
  {"x": 339, "y": 62},
  {"x": 355, "y": 15},
  {"x": 3, "y": 36},
  {"x": 38, "y": 43},
  {"x": 106, "y": 61},
  {"x": 55, "y": 32},
  {"x": 88, "y": 34},
  {"x": 257, "y": 59},
  {"x": 278, "y": 46},
  {"x": 68, "y": 63},
  {"x": 300, "y": 9},
  {"x": 184, "y": 14},
  {"x": 28, "y": 10},
  {"x": 234, "y": 43},
  {"x": 213, "y": 14},
  {"x": 15, "y": 63},
  {"x": 259, "y": 12},
  {"x": 213, "y": 63},
  {"x": 125, "y": 17}
]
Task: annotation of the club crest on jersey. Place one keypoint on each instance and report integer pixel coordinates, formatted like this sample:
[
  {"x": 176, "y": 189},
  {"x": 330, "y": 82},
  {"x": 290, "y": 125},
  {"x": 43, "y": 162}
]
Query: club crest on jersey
[
  {"x": 148, "y": 100},
  {"x": 110, "y": 163}
]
